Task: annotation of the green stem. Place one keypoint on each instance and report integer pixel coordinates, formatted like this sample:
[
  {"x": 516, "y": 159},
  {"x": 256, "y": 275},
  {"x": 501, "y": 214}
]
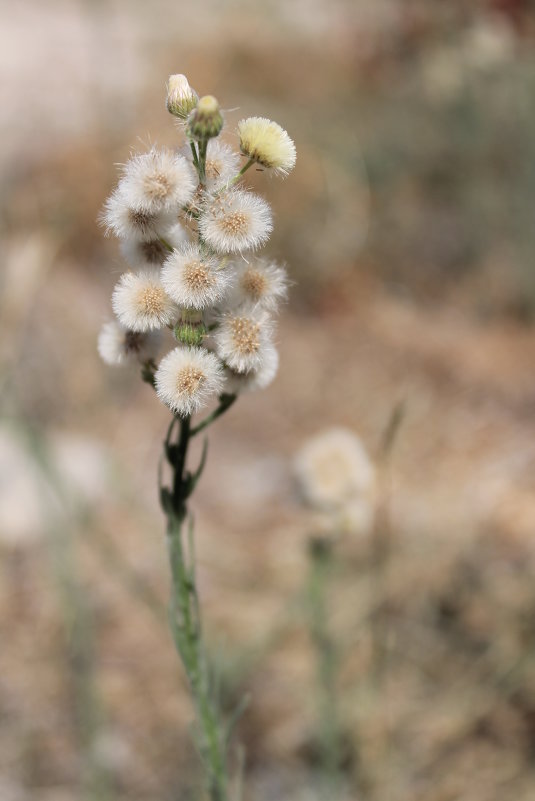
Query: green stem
[
  {"x": 225, "y": 402},
  {"x": 190, "y": 212},
  {"x": 195, "y": 157},
  {"x": 328, "y": 726},
  {"x": 237, "y": 177},
  {"x": 381, "y": 549},
  {"x": 203, "y": 148},
  {"x": 185, "y": 624},
  {"x": 179, "y": 484},
  {"x": 185, "y": 616},
  {"x": 242, "y": 172},
  {"x": 148, "y": 370},
  {"x": 166, "y": 244}
]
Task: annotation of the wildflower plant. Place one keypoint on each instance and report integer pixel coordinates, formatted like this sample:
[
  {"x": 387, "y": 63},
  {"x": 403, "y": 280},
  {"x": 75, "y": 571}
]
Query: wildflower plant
[
  {"x": 188, "y": 229},
  {"x": 337, "y": 479}
]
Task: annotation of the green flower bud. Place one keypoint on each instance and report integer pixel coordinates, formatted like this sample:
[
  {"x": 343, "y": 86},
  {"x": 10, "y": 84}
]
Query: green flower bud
[
  {"x": 206, "y": 120},
  {"x": 190, "y": 333}
]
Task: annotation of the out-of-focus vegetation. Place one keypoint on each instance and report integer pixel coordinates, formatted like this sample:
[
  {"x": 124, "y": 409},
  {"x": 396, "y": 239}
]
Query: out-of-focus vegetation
[{"x": 407, "y": 229}]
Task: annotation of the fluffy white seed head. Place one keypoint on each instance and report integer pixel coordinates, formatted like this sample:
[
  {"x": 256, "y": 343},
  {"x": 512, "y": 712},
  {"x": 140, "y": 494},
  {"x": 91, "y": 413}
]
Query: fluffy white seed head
[
  {"x": 152, "y": 252},
  {"x": 187, "y": 378},
  {"x": 259, "y": 283},
  {"x": 255, "y": 379},
  {"x": 127, "y": 221},
  {"x": 118, "y": 345},
  {"x": 222, "y": 164},
  {"x": 241, "y": 340},
  {"x": 141, "y": 303},
  {"x": 267, "y": 143},
  {"x": 158, "y": 181},
  {"x": 334, "y": 469},
  {"x": 194, "y": 280},
  {"x": 236, "y": 221}
]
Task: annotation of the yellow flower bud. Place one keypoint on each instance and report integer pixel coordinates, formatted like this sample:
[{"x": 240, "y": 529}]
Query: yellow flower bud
[{"x": 267, "y": 143}]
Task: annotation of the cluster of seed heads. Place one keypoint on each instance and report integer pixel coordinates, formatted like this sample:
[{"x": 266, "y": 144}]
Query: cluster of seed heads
[{"x": 189, "y": 231}]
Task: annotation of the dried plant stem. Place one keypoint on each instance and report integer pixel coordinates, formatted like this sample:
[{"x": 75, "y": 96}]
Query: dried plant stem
[
  {"x": 381, "y": 551},
  {"x": 184, "y": 610}
]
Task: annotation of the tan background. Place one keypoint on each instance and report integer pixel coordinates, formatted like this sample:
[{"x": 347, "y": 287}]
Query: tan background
[{"x": 407, "y": 227}]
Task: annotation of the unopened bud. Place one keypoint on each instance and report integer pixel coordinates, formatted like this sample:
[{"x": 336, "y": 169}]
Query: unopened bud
[
  {"x": 190, "y": 329},
  {"x": 190, "y": 333},
  {"x": 205, "y": 120},
  {"x": 181, "y": 98}
]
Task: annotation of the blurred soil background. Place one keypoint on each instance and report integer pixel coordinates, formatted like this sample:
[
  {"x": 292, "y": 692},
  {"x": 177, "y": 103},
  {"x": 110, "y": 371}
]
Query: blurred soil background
[{"x": 408, "y": 230}]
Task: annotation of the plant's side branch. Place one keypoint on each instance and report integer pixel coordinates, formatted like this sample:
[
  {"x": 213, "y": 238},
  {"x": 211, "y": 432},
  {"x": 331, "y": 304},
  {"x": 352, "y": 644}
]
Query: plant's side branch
[
  {"x": 148, "y": 370},
  {"x": 238, "y": 176},
  {"x": 167, "y": 245},
  {"x": 225, "y": 402}
]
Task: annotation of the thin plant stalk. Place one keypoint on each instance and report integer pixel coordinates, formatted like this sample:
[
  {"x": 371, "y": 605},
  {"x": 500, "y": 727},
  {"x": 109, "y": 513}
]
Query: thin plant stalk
[
  {"x": 184, "y": 609},
  {"x": 240, "y": 174},
  {"x": 319, "y": 579},
  {"x": 381, "y": 551}
]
